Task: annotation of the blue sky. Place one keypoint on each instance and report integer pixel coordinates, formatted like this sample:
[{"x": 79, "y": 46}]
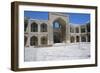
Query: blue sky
[{"x": 76, "y": 18}]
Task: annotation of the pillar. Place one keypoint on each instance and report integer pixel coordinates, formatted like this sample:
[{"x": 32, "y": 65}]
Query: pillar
[
  {"x": 39, "y": 39},
  {"x": 28, "y": 35},
  {"x": 28, "y": 41}
]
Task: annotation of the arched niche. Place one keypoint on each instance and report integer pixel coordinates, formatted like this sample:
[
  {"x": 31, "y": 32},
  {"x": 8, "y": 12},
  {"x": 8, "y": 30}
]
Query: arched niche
[
  {"x": 43, "y": 27},
  {"x": 34, "y": 27},
  {"x": 33, "y": 41},
  {"x": 44, "y": 40}
]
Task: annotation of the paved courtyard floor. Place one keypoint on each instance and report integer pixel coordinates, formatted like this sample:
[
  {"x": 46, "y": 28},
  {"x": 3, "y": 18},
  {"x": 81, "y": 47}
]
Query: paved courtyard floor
[{"x": 58, "y": 51}]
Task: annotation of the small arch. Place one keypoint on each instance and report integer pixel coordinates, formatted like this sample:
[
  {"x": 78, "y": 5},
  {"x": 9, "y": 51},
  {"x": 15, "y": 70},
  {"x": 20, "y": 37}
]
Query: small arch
[
  {"x": 44, "y": 40},
  {"x": 77, "y": 38},
  {"x": 77, "y": 30},
  {"x": 88, "y": 27},
  {"x": 25, "y": 40},
  {"x": 83, "y": 29},
  {"x": 71, "y": 29},
  {"x": 83, "y": 38},
  {"x": 43, "y": 27},
  {"x": 33, "y": 41},
  {"x": 88, "y": 37},
  {"x": 72, "y": 39},
  {"x": 34, "y": 27}
]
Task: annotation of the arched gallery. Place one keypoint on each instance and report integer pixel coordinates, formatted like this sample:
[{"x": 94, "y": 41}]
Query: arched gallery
[{"x": 56, "y": 29}]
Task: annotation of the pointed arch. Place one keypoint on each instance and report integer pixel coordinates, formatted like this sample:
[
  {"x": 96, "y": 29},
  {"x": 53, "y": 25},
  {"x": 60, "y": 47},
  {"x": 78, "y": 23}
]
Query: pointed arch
[
  {"x": 59, "y": 30},
  {"x": 43, "y": 27},
  {"x": 33, "y": 41},
  {"x": 77, "y": 38},
  {"x": 34, "y": 27},
  {"x": 83, "y": 38},
  {"x": 72, "y": 39},
  {"x": 77, "y": 29},
  {"x": 88, "y": 37}
]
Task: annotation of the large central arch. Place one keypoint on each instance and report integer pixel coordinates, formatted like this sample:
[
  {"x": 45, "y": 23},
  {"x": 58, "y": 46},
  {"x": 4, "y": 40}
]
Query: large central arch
[{"x": 59, "y": 31}]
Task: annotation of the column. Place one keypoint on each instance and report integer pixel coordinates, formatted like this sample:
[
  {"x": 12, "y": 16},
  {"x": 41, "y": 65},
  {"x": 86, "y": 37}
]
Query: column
[
  {"x": 39, "y": 34},
  {"x": 29, "y": 32},
  {"x": 29, "y": 26},
  {"x": 39, "y": 28}
]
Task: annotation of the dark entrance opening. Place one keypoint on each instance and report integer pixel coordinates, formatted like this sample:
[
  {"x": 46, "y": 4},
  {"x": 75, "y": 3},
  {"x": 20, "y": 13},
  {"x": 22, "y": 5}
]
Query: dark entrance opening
[
  {"x": 59, "y": 31},
  {"x": 57, "y": 37}
]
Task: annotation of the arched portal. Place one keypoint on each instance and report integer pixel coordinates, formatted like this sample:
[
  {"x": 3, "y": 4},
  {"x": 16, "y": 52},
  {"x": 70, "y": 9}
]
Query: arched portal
[{"x": 59, "y": 31}]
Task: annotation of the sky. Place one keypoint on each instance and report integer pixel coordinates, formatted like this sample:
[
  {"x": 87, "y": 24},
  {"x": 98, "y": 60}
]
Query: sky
[{"x": 75, "y": 18}]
